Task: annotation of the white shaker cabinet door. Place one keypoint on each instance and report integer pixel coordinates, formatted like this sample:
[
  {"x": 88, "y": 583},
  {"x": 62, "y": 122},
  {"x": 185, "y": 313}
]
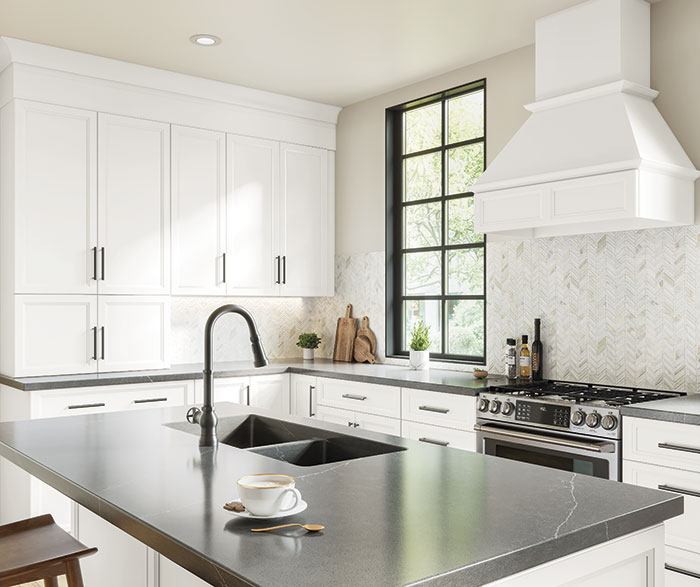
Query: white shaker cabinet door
[
  {"x": 270, "y": 392},
  {"x": 171, "y": 574},
  {"x": 252, "y": 251},
  {"x": 198, "y": 211},
  {"x": 307, "y": 249},
  {"x": 133, "y": 205},
  {"x": 303, "y": 395},
  {"x": 55, "y": 335},
  {"x": 133, "y": 333},
  {"x": 55, "y": 196}
]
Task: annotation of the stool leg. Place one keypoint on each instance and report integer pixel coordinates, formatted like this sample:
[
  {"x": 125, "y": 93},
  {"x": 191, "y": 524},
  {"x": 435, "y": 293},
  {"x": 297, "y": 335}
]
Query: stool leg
[
  {"x": 50, "y": 582},
  {"x": 74, "y": 576}
]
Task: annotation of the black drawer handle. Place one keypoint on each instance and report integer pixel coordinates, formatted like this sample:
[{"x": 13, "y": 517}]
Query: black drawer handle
[
  {"x": 689, "y": 492},
  {"x": 679, "y": 447},
  {"x": 279, "y": 273},
  {"x": 151, "y": 400},
  {"x": 682, "y": 571},
  {"x": 433, "y": 441},
  {"x": 359, "y": 398},
  {"x": 94, "y": 343},
  {"x": 82, "y": 406},
  {"x": 102, "y": 258},
  {"x": 94, "y": 263},
  {"x": 431, "y": 409},
  {"x": 311, "y": 401},
  {"x": 284, "y": 269}
]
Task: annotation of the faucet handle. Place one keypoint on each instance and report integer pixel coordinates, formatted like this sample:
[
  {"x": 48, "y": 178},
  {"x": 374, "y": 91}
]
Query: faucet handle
[{"x": 193, "y": 415}]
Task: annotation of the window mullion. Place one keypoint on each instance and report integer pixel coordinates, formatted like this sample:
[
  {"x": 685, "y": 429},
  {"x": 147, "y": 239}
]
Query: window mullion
[{"x": 443, "y": 219}]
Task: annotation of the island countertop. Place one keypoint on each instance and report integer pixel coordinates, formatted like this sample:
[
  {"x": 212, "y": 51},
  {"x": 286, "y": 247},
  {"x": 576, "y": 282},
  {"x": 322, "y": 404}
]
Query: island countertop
[
  {"x": 442, "y": 380},
  {"x": 425, "y": 515}
]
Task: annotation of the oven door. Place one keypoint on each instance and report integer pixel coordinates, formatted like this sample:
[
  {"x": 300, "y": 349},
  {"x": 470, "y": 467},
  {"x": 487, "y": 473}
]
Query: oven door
[{"x": 598, "y": 458}]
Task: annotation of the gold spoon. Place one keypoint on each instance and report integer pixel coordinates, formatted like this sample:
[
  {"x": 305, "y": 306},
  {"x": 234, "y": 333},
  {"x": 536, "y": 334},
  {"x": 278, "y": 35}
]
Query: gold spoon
[{"x": 309, "y": 527}]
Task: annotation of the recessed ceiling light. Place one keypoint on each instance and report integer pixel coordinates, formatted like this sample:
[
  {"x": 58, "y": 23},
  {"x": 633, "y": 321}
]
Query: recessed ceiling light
[{"x": 205, "y": 40}]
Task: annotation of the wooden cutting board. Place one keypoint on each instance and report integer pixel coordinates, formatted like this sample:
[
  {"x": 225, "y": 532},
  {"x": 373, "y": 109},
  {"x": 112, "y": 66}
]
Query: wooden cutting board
[
  {"x": 362, "y": 350},
  {"x": 345, "y": 337},
  {"x": 366, "y": 332}
]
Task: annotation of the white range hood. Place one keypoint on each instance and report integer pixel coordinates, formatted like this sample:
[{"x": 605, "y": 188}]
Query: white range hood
[{"x": 595, "y": 155}]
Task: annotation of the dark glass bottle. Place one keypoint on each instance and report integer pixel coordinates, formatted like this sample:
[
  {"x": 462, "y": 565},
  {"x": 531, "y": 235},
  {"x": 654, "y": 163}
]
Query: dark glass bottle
[{"x": 537, "y": 353}]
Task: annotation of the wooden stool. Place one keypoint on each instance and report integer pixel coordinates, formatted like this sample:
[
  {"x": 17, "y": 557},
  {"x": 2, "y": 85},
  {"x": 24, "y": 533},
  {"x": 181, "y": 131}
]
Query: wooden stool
[{"x": 36, "y": 549}]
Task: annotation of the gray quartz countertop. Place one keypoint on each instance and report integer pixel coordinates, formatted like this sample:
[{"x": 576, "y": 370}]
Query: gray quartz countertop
[
  {"x": 397, "y": 375},
  {"x": 684, "y": 409},
  {"x": 425, "y": 515}
]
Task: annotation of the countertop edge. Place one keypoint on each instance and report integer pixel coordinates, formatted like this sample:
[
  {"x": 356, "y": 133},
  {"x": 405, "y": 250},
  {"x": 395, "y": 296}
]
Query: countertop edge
[{"x": 650, "y": 413}]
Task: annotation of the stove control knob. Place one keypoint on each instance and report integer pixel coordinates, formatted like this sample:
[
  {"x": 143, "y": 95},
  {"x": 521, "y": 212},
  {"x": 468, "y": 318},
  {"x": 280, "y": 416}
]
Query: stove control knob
[
  {"x": 495, "y": 407},
  {"x": 609, "y": 422},
  {"x": 507, "y": 408},
  {"x": 578, "y": 418},
  {"x": 593, "y": 419},
  {"x": 483, "y": 405}
]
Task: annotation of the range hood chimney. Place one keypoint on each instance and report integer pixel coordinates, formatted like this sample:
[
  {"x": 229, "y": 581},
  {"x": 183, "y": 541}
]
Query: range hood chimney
[{"x": 595, "y": 155}]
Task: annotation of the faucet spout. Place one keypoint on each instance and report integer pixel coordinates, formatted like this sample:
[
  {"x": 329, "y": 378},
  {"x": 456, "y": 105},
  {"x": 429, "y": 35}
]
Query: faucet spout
[{"x": 206, "y": 416}]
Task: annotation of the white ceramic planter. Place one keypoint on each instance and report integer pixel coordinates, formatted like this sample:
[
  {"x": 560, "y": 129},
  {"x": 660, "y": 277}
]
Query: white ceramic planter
[
  {"x": 419, "y": 360},
  {"x": 308, "y": 354}
]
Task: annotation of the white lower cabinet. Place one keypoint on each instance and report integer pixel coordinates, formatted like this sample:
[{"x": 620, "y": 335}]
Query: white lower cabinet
[
  {"x": 353, "y": 420},
  {"x": 173, "y": 575},
  {"x": 439, "y": 436},
  {"x": 303, "y": 395},
  {"x": 226, "y": 389},
  {"x": 270, "y": 392}
]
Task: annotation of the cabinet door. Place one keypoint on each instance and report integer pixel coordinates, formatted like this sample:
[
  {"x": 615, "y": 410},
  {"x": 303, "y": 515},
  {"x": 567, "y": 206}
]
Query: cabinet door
[
  {"x": 336, "y": 416},
  {"x": 55, "y": 335},
  {"x": 120, "y": 560},
  {"x": 252, "y": 217},
  {"x": 198, "y": 211},
  {"x": 173, "y": 575},
  {"x": 134, "y": 332},
  {"x": 378, "y": 424},
  {"x": 226, "y": 389},
  {"x": 270, "y": 392},
  {"x": 133, "y": 205},
  {"x": 55, "y": 199},
  {"x": 303, "y": 395},
  {"x": 439, "y": 436},
  {"x": 306, "y": 247}
]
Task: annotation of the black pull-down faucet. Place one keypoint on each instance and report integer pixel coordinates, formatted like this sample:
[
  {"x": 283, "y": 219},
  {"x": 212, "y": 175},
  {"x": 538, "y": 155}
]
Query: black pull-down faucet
[{"x": 206, "y": 416}]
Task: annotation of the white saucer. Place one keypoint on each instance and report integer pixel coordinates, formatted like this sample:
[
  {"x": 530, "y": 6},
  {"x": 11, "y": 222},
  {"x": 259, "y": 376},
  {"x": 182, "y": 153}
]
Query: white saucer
[{"x": 300, "y": 507}]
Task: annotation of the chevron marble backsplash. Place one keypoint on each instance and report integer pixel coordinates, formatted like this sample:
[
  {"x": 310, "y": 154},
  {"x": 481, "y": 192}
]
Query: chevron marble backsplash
[{"x": 616, "y": 308}]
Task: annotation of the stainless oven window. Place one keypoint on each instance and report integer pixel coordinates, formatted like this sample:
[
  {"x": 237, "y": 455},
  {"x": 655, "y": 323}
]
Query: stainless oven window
[{"x": 554, "y": 460}]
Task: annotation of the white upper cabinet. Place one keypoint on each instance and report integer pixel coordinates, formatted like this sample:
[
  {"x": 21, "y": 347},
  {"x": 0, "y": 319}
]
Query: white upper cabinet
[
  {"x": 198, "y": 211},
  {"x": 307, "y": 216},
  {"x": 133, "y": 205},
  {"x": 55, "y": 197},
  {"x": 253, "y": 207}
]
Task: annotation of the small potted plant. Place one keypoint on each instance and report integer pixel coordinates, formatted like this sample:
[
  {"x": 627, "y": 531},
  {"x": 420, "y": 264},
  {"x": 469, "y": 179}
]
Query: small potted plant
[
  {"x": 419, "y": 356},
  {"x": 309, "y": 341}
]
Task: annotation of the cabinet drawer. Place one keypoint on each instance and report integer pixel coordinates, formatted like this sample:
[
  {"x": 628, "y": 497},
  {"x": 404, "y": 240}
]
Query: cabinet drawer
[
  {"x": 439, "y": 436},
  {"x": 154, "y": 395},
  {"x": 440, "y": 409},
  {"x": 368, "y": 398},
  {"x": 681, "y": 531},
  {"x": 683, "y": 565},
  {"x": 662, "y": 443},
  {"x": 381, "y": 424}
]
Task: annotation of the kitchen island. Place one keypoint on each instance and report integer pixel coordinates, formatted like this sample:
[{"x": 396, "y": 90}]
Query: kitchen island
[{"x": 418, "y": 515}]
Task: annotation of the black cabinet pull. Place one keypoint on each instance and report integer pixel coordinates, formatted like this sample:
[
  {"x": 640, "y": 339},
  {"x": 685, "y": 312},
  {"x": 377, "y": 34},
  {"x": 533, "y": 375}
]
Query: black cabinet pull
[
  {"x": 311, "y": 401},
  {"x": 351, "y": 424},
  {"x": 360, "y": 398},
  {"x": 224, "y": 271},
  {"x": 277, "y": 260},
  {"x": 247, "y": 395},
  {"x": 102, "y": 256},
  {"x": 94, "y": 343},
  {"x": 284, "y": 269},
  {"x": 682, "y": 571},
  {"x": 103, "y": 343},
  {"x": 679, "y": 447},
  {"x": 151, "y": 400},
  {"x": 94, "y": 263},
  {"x": 83, "y": 406},
  {"x": 672, "y": 489},
  {"x": 431, "y": 409},
  {"x": 433, "y": 441}
]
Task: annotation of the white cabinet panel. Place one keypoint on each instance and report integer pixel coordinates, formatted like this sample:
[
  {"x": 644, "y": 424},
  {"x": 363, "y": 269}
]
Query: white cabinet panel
[
  {"x": 121, "y": 560},
  {"x": 134, "y": 332},
  {"x": 669, "y": 444},
  {"x": 173, "y": 575},
  {"x": 306, "y": 247},
  {"x": 336, "y": 416},
  {"x": 270, "y": 392},
  {"x": 198, "y": 211},
  {"x": 684, "y": 568},
  {"x": 439, "y": 436},
  {"x": 134, "y": 205},
  {"x": 253, "y": 216},
  {"x": 55, "y": 199},
  {"x": 303, "y": 395},
  {"x": 226, "y": 389},
  {"x": 55, "y": 334},
  {"x": 370, "y": 398},
  {"x": 440, "y": 409},
  {"x": 378, "y": 424}
]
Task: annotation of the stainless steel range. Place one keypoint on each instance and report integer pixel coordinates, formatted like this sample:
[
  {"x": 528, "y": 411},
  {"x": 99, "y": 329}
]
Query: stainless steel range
[{"x": 570, "y": 426}]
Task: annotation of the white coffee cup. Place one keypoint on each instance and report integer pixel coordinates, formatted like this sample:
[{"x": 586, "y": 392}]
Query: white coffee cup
[{"x": 268, "y": 494}]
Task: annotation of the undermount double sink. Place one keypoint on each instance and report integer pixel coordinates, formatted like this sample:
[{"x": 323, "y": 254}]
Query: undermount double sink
[{"x": 292, "y": 443}]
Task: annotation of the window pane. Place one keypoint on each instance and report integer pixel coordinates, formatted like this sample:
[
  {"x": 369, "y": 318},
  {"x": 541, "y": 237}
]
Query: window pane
[
  {"x": 460, "y": 222},
  {"x": 465, "y": 271},
  {"x": 464, "y": 166},
  {"x": 422, "y": 176},
  {"x": 422, "y": 273},
  {"x": 422, "y": 225},
  {"x": 465, "y": 116},
  {"x": 465, "y": 327},
  {"x": 422, "y": 128},
  {"x": 428, "y": 311}
]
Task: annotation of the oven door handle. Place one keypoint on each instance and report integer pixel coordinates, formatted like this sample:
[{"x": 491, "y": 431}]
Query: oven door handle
[{"x": 603, "y": 447}]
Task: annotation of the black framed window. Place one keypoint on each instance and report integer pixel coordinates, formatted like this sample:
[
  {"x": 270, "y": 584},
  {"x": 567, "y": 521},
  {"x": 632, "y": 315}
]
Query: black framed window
[{"x": 436, "y": 262}]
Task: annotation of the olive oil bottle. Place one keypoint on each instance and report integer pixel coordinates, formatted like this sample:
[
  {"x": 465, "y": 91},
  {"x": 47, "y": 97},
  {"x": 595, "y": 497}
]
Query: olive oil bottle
[{"x": 524, "y": 359}]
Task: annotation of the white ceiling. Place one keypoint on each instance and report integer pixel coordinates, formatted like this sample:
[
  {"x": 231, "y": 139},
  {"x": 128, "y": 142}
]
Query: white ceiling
[{"x": 332, "y": 51}]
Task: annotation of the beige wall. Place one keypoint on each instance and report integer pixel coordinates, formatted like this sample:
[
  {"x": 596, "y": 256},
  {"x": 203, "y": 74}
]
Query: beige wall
[{"x": 510, "y": 85}]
